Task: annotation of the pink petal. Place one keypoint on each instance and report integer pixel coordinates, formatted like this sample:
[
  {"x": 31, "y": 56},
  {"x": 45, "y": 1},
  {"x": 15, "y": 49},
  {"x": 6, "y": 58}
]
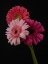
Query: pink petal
[
  {"x": 22, "y": 35},
  {"x": 40, "y": 36},
  {"x": 25, "y": 32},
  {"x": 8, "y": 36},
  {"x": 13, "y": 41},
  {"x": 28, "y": 42},
  {"x": 34, "y": 40},
  {"x": 11, "y": 24},
  {"x": 31, "y": 22},
  {"x": 41, "y": 29},
  {"x": 8, "y": 32},
  {"x": 36, "y": 24},
  {"x": 10, "y": 40},
  {"x": 38, "y": 40},
  {"x": 25, "y": 26},
  {"x": 16, "y": 21},
  {"x": 21, "y": 22},
  {"x": 18, "y": 40},
  {"x": 8, "y": 29}
]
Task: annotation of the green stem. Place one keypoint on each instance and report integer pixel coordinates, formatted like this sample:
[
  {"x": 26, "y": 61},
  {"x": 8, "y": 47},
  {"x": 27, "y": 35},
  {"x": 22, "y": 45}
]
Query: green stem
[{"x": 33, "y": 55}]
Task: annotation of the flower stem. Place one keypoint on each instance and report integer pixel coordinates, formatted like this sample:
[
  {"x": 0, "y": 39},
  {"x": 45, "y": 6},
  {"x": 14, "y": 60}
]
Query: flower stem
[{"x": 33, "y": 55}]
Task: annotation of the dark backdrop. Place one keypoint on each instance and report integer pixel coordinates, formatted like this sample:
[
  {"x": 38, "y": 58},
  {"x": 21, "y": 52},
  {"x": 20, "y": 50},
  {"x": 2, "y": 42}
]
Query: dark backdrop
[{"x": 21, "y": 54}]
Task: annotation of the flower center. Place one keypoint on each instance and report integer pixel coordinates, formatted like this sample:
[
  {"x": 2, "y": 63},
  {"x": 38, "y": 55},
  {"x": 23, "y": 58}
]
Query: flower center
[
  {"x": 31, "y": 31},
  {"x": 15, "y": 31},
  {"x": 17, "y": 16}
]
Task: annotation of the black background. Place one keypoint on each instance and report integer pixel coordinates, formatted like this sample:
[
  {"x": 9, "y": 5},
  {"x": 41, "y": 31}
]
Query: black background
[{"x": 21, "y": 54}]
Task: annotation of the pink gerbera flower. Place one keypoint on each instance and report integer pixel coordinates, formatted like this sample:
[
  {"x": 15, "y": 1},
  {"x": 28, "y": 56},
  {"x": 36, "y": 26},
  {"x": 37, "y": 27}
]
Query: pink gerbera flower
[
  {"x": 16, "y": 30},
  {"x": 35, "y": 30},
  {"x": 17, "y": 12}
]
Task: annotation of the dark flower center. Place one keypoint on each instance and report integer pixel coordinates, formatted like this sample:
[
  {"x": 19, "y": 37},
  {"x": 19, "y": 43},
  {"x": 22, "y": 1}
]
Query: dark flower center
[
  {"x": 31, "y": 31},
  {"x": 15, "y": 31}
]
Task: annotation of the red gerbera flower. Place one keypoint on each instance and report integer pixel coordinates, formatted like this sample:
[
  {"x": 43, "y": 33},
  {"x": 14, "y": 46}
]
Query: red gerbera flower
[
  {"x": 35, "y": 30},
  {"x": 17, "y": 12}
]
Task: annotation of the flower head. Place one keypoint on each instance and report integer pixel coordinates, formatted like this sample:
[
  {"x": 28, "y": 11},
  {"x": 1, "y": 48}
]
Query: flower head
[
  {"x": 17, "y": 12},
  {"x": 16, "y": 30},
  {"x": 35, "y": 30}
]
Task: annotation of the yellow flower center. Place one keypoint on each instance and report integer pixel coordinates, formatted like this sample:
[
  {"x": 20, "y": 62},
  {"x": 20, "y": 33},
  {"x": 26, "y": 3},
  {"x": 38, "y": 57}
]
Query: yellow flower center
[{"x": 17, "y": 16}]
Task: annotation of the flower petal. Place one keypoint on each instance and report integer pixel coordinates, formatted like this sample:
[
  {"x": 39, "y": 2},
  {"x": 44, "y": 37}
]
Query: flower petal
[
  {"x": 41, "y": 29},
  {"x": 25, "y": 32},
  {"x": 34, "y": 40},
  {"x": 8, "y": 29},
  {"x": 28, "y": 41},
  {"x": 21, "y": 22},
  {"x": 18, "y": 40},
  {"x": 14, "y": 41},
  {"x": 16, "y": 21},
  {"x": 8, "y": 36},
  {"x": 11, "y": 24},
  {"x": 22, "y": 35},
  {"x": 40, "y": 36},
  {"x": 25, "y": 26},
  {"x": 10, "y": 40}
]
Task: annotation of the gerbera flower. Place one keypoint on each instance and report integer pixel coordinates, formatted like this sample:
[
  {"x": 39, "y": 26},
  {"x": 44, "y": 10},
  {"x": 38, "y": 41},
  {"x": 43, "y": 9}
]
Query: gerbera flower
[
  {"x": 35, "y": 30},
  {"x": 16, "y": 30},
  {"x": 17, "y": 12}
]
